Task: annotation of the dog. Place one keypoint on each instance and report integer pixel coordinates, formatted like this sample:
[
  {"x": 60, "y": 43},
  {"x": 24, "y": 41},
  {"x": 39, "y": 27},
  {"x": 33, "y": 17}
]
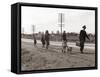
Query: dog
[
  {"x": 64, "y": 46},
  {"x": 69, "y": 49}
]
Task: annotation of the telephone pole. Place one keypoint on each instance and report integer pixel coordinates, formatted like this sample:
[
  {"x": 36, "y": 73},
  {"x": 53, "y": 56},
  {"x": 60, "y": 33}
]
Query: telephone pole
[
  {"x": 33, "y": 28},
  {"x": 61, "y": 22}
]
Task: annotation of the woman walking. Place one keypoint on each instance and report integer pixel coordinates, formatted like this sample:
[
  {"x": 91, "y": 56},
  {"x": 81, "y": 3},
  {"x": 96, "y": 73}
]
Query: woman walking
[
  {"x": 43, "y": 40},
  {"x": 64, "y": 42},
  {"x": 47, "y": 39}
]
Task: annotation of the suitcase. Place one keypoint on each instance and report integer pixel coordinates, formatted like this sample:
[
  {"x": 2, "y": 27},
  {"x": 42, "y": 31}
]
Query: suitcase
[{"x": 78, "y": 43}]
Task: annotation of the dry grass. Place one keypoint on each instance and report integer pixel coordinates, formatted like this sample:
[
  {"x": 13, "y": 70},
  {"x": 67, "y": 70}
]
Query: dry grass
[{"x": 36, "y": 58}]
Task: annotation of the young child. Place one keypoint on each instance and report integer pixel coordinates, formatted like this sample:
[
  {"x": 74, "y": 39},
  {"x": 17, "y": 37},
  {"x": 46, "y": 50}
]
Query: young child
[{"x": 64, "y": 45}]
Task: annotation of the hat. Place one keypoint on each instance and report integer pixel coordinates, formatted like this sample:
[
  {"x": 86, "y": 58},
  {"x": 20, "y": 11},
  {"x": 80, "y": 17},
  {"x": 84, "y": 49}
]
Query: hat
[{"x": 84, "y": 27}]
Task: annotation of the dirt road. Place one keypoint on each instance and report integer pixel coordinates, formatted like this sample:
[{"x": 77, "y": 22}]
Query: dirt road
[{"x": 36, "y": 58}]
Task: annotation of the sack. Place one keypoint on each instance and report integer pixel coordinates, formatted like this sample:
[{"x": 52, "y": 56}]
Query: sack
[{"x": 78, "y": 43}]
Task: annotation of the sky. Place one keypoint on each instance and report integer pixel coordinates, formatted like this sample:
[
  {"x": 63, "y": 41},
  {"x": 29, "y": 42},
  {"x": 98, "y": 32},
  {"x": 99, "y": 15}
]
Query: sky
[{"x": 48, "y": 19}]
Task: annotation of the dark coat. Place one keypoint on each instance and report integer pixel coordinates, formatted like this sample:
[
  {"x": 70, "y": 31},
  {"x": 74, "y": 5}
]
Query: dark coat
[
  {"x": 64, "y": 37},
  {"x": 83, "y": 35},
  {"x": 43, "y": 39},
  {"x": 47, "y": 38}
]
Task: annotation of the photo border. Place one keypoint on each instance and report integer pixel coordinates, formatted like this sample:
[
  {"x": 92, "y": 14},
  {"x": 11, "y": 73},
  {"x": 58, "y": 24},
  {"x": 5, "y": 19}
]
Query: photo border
[{"x": 18, "y": 66}]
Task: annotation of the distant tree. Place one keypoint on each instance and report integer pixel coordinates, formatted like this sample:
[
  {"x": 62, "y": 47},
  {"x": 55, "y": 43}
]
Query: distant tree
[
  {"x": 52, "y": 32},
  {"x": 39, "y": 32},
  {"x": 33, "y": 28},
  {"x": 57, "y": 32}
]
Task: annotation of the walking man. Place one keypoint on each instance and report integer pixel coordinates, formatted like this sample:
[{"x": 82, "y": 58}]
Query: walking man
[
  {"x": 43, "y": 39},
  {"x": 82, "y": 38},
  {"x": 47, "y": 39}
]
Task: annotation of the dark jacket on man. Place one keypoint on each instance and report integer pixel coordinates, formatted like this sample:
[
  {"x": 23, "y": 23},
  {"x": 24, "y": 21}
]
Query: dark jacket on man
[
  {"x": 83, "y": 35},
  {"x": 43, "y": 39},
  {"x": 64, "y": 38},
  {"x": 47, "y": 36},
  {"x": 82, "y": 38}
]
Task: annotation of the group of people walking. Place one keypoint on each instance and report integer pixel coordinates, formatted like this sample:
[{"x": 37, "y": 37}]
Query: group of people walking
[
  {"x": 45, "y": 39},
  {"x": 82, "y": 38}
]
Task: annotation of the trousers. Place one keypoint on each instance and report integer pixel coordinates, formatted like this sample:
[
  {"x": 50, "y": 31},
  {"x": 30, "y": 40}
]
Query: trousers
[{"x": 82, "y": 45}]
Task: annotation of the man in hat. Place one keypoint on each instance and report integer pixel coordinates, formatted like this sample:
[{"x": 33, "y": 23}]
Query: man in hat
[
  {"x": 82, "y": 38},
  {"x": 47, "y": 39}
]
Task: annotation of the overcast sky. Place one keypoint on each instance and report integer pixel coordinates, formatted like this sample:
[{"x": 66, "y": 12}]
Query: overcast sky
[{"x": 47, "y": 19}]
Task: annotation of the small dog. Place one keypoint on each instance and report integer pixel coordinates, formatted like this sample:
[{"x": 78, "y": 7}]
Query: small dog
[
  {"x": 64, "y": 46},
  {"x": 69, "y": 49}
]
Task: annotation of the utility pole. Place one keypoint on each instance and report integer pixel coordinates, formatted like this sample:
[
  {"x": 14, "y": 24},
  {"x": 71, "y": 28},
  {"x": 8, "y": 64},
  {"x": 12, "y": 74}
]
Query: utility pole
[
  {"x": 61, "y": 22},
  {"x": 33, "y": 28}
]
